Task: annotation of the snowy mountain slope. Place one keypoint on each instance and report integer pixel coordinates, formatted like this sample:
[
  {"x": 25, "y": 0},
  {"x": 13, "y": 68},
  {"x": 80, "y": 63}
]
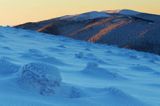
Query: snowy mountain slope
[
  {"x": 37, "y": 69},
  {"x": 123, "y": 28}
]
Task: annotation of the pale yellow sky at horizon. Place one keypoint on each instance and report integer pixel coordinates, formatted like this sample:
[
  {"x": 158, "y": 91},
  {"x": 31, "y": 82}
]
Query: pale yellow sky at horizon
[{"x": 15, "y": 12}]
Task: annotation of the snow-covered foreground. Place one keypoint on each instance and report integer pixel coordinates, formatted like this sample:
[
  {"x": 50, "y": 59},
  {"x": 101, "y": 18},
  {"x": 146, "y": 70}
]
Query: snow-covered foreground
[{"x": 42, "y": 70}]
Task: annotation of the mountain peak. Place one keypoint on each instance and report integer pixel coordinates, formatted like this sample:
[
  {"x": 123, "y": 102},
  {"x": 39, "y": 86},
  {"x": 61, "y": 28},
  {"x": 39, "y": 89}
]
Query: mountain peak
[{"x": 123, "y": 11}]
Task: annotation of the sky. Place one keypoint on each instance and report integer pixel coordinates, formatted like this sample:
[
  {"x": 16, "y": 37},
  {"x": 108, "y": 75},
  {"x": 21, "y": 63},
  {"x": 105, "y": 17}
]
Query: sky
[{"x": 14, "y": 12}]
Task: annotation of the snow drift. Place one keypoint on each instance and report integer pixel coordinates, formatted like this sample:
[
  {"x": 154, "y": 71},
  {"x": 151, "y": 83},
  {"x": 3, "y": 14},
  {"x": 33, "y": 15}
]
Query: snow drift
[{"x": 33, "y": 72}]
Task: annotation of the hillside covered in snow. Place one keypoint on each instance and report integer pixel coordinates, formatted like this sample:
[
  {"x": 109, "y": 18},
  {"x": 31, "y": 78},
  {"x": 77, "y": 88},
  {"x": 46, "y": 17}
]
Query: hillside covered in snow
[
  {"x": 123, "y": 28},
  {"x": 38, "y": 69}
]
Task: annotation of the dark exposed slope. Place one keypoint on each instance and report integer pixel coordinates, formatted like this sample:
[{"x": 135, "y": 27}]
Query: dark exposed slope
[{"x": 139, "y": 31}]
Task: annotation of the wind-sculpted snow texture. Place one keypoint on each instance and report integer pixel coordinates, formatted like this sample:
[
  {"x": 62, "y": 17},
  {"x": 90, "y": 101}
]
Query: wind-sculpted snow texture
[{"x": 37, "y": 69}]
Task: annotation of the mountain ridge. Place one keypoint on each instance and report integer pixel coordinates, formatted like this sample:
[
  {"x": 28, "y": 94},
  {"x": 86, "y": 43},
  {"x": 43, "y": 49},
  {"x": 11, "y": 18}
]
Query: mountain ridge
[{"x": 123, "y": 28}]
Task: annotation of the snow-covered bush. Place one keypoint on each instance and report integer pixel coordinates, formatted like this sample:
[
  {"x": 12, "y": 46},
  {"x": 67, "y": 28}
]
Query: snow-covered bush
[
  {"x": 42, "y": 77},
  {"x": 6, "y": 67}
]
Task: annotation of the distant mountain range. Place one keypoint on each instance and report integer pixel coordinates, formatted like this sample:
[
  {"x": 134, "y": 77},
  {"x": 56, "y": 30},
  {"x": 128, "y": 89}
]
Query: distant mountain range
[{"x": 123, "y": 28}]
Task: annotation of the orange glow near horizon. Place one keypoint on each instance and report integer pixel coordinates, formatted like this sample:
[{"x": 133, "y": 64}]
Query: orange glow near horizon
[{"x": 13, "y": 12}]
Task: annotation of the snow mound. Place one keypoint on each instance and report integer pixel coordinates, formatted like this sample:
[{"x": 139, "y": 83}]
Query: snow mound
[
  {"x": 93, "y": 69},
  {"x": 42, "y": 77},
  {"x": 46, "y": 80},
  {"x": 6, "y": 67}
]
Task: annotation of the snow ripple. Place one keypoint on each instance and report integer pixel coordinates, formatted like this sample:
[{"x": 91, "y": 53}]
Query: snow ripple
[
  {"x": 93, "y": 69},
  {"x": 7, "y": 68}
]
